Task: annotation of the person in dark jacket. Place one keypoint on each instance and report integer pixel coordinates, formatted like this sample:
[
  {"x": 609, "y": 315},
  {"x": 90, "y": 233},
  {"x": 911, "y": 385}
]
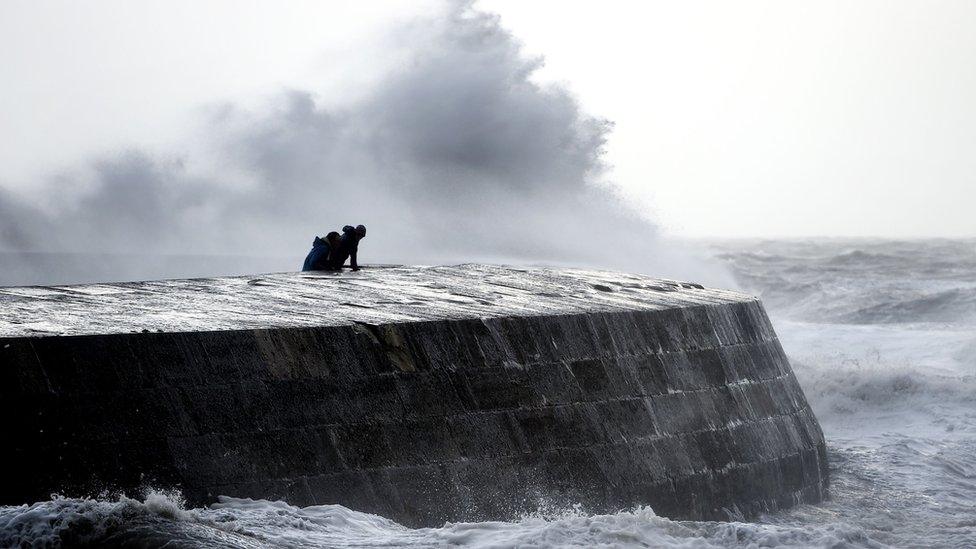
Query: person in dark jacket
[
  {"x": 319, "y": 258},
  {"x": 348, "y": 247}
]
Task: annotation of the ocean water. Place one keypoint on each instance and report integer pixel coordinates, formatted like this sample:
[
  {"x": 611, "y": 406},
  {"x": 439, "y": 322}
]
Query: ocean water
[{"x": 882, "y": 337}]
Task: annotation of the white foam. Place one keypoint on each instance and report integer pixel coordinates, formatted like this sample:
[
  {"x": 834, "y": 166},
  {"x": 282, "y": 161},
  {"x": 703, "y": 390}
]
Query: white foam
[{"x": 160, "y": 519}]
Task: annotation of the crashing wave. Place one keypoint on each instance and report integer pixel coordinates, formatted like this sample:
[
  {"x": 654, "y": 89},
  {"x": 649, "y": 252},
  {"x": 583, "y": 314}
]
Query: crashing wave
[
  {"x": 160, "y": 520},
  {"x": 871, "y": 283}
]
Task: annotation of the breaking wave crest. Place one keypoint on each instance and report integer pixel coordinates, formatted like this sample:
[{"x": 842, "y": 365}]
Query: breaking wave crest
[
  {"x": 930, "y": 306},
  {"x": 160, "y": 520},
  {"x": 881, "y": 338},
  {"x": 860, "y": 282},
  {"x": 876, "y": 386}
]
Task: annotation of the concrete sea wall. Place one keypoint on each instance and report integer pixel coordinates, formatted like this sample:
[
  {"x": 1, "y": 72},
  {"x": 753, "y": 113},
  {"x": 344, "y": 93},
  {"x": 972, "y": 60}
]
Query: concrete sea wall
[{"x": 687, "y": 406}]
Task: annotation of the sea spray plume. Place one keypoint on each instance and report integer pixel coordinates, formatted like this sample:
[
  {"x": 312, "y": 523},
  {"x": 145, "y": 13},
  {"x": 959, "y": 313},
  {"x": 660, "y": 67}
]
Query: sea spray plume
[
  {"x": 15, "y": 232},
  {"x": 142, "y": 202},
  {"x": 457, "y": 155}
]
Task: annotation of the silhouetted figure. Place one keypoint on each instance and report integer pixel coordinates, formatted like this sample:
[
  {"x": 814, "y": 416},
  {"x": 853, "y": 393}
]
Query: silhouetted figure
[
  {"x": 348, "y": 246},
  {"x": 320, "y": 256}
]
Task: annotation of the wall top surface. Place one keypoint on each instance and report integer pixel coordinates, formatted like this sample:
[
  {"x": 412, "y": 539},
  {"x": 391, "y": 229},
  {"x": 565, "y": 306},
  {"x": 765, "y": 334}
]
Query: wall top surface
[{"x": 374, "y": 295}]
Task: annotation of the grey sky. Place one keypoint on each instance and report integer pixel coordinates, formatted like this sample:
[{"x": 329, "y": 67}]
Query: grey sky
[{"x": 731, "y": 119}]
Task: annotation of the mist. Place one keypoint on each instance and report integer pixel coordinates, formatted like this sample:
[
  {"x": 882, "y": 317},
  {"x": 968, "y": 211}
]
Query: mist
[{"x": 456, "y": 155}]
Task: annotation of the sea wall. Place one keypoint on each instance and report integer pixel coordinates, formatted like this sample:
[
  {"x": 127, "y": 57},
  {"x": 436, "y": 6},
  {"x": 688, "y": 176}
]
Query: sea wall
[{"x": 690, "y": 407}]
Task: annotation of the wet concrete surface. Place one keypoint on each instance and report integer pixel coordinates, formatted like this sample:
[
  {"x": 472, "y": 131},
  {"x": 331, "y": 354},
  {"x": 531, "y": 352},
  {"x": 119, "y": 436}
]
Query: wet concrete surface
[{"x": 424, "y": 394}]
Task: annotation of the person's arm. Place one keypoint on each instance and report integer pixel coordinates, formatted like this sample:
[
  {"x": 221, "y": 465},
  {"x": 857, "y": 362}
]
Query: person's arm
[
  {"x": 329, "y": 259},
  {"x": 352, "y": 260}
]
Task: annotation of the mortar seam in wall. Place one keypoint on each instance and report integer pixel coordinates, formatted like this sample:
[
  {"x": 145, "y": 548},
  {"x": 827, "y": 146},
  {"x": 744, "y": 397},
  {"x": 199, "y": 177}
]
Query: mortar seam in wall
[
  {"x": 749, "y": 344},
  {"x": 490, "y": 368},
  {"x": 550, "y": 406},
  {"x": 443, "y": 463},
  {"x": 694, "y": 472},
  {"x": 639, "y": 439},
  {"x": 798, "y": 407},
  {"x": 630, "y": 398}
]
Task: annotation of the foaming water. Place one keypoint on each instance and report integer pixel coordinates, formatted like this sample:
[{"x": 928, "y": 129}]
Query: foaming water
[
  {"x": 898, "y": 409},
  {"x": 160, "y": 521},
  {"x": 882, "y": 337},
  {"x": 860, "y": 282}
]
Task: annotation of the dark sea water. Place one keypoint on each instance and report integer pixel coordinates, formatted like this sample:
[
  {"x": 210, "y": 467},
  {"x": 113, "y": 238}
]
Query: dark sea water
[{"x": 882, "y": 336}]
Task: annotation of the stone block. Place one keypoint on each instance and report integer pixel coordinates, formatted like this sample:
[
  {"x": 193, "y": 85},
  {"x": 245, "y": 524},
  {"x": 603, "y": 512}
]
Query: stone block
[
  {"x": 363, "y": 445},
  {"x": 623, "y": 420},
  {"x": 552, "y": 383},
  {"x": 431, "y": 393},
  {"x": 486, "y": 435}
]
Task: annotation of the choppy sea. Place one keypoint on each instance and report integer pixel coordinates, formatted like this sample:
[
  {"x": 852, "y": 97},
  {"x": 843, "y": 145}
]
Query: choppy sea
[{"x": 882, "y": 337}]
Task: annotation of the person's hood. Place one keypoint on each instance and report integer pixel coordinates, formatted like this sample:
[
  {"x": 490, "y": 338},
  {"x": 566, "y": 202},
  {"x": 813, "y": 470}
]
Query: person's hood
[
  {"x": 319, "y": 241},
  {"x": 353, "y": 231}
]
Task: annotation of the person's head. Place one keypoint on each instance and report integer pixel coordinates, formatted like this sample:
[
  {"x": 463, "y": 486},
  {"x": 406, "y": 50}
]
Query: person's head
[
  {"x": 332, "y": 238},
  {"x": 361, "y": 231}
]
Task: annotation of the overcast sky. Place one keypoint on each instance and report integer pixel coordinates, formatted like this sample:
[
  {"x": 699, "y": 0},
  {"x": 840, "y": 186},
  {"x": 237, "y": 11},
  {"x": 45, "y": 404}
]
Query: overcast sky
[{"x": 731, "y": 118}]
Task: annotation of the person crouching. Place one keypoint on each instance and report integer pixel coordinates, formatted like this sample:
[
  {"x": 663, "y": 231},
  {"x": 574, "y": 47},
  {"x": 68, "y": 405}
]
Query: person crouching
[
  {"x": 348, "y": 247},
  {"x": 319, "y": 258}
]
